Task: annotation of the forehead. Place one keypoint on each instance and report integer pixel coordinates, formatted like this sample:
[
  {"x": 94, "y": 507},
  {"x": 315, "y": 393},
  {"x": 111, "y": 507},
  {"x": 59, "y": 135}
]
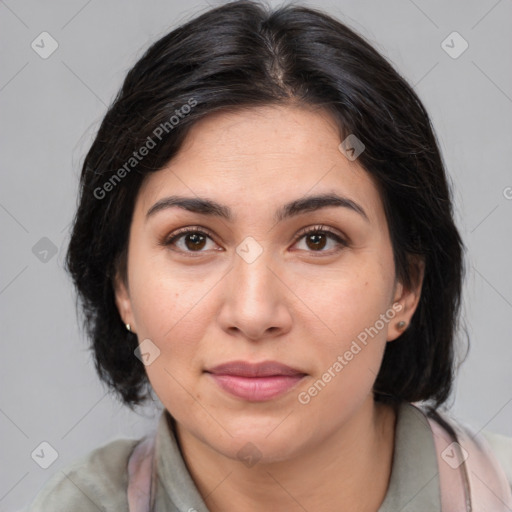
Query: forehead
[{"x": 262, "y": 156}]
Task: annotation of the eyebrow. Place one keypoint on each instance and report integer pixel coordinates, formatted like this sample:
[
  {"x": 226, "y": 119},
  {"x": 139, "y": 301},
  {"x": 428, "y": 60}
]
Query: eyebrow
[{"x": 306, "y": 204}]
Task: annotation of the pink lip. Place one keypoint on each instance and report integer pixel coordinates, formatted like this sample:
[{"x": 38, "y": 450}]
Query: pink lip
[
  {"x": 256, "y": 389},
  {"x": 255, "y": 382}
]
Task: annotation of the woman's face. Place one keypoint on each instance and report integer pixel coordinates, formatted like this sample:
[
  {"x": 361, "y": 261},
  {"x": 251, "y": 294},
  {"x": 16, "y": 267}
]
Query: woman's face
[{"x": 252, "y": 286}]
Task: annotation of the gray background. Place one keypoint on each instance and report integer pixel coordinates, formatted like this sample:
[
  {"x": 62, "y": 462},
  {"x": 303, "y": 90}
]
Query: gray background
[{"x": 51, "y": 109}]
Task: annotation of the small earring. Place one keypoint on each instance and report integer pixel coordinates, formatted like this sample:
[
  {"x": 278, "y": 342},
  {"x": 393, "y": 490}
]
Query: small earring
[
  {"x": 128, "y": 327},
  {"x": 400, "y": 325}
]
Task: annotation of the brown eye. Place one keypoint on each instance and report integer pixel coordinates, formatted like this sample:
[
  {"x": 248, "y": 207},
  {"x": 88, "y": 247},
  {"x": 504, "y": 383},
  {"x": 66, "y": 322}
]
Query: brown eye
[
  {"x": 317, "y": 238},
  {"x": 194, "y": 241},
  {"x": 189, "y": 240}
]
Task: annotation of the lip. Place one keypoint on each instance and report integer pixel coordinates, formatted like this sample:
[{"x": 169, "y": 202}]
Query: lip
[
  {"x": 255, "y": 382},
  {"x": 246, "y": 369}
]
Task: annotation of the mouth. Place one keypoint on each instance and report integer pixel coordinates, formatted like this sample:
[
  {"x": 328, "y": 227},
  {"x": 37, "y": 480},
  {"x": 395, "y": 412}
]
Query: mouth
[{"x": 255, "y": 382}]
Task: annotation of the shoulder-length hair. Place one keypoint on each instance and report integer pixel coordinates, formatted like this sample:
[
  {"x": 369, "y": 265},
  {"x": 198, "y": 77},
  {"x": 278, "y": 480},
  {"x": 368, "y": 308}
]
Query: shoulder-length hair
[{"x": 242, "y": 55}]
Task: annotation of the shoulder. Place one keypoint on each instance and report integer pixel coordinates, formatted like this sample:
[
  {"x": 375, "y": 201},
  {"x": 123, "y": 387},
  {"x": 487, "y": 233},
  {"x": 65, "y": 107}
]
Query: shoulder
[
  {"x": 96, "y": 481},
  {"x": 501, "y": 446},
  {"x": 497, "y": 446}
]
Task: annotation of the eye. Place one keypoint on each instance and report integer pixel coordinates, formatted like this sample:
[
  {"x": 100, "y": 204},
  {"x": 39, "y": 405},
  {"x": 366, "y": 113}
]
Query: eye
[
  {"x": 317, "y": 237},
  {"x": 191, "y": 239}
]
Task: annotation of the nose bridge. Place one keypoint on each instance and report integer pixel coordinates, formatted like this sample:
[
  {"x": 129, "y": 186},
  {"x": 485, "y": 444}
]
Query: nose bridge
[{"x": 252, "y": 276}]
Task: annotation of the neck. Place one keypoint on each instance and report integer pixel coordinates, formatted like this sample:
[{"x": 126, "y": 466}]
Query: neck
[{"x": 349, "y": 470}]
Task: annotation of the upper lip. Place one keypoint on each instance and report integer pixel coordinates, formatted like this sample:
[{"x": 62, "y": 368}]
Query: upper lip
[{"x": 246, "y": 369}]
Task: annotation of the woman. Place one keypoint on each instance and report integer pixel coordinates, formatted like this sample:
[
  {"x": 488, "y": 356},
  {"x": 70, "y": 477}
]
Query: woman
[{"x": 265, "y": 239}]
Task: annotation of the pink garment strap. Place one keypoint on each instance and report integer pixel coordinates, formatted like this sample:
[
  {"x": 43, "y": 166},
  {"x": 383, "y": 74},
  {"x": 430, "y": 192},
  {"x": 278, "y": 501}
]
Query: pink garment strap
[
  {"x": 471, "y": 478},
  {"x": 141, "y": 469}
]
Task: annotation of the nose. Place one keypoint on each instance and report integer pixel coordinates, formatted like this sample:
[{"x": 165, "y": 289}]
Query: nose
[{"x": 255, "y": 299}]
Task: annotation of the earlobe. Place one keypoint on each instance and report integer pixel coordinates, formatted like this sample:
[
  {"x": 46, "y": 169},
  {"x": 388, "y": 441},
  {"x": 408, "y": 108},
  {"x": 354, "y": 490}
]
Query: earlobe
[
  {"x": 408, "y": 298},
  {"x": 123, "y": 302}
]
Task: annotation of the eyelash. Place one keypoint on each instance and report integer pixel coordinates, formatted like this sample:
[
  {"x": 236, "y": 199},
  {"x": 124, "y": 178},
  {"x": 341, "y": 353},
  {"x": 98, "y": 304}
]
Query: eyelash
[{"x": 320, "y": 229}]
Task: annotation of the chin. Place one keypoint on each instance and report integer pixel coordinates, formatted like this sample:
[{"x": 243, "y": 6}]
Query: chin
[
  {"x": 267, "y": 445},
  {"x": 260, "y": 451}
]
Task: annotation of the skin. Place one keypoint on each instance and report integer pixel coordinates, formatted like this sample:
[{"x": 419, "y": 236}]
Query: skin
[{"x": 298, "y": 303}]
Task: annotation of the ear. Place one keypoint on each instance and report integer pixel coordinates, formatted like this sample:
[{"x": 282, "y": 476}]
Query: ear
[
  {"x": 408, "y": 298},
  {"x": 123, "y": 301}
]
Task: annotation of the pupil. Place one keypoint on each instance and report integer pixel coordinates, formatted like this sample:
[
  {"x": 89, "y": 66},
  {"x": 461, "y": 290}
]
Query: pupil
[
  {"x": 315, "y": 239},
  {"x": 195, "y": 238}
]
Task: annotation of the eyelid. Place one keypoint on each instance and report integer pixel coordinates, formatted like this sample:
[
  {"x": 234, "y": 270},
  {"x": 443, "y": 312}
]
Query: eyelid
[
  {"x": 169, "y": 239},
  {"x": 187, "y": 229},
  {"x": 322, "y": 228}
]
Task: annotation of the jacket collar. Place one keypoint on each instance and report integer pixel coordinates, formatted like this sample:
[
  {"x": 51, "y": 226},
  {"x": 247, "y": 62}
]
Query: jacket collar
[{"x": 414, "y": 482}]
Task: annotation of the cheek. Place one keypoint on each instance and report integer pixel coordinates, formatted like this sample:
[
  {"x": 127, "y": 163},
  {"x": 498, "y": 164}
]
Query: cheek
[
  {"x": 345, "y": 301},
  {"x": 162, "y": 299},
  {"x": 170, "y": 313},
  {"x": 174, "y": 310},
  {"x": 352, "y": 314},
  {"x": 156, "y": 309},
  {"x": 349, "y": 361}
]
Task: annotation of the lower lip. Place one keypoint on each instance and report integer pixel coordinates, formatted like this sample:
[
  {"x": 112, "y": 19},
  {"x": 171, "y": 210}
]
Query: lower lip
[{"x": 256, "y": 389}]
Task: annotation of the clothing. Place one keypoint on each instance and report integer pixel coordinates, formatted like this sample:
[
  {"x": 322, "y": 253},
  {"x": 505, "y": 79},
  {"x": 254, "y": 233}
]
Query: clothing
[{"x": 99, "y": 480}]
